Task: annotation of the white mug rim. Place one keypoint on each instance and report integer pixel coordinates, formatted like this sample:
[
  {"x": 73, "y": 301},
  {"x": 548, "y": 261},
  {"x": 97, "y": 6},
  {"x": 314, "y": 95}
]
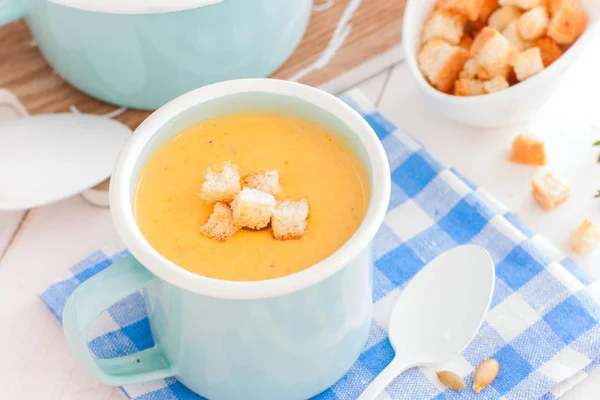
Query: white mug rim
[{"x": 122, "y": 211}]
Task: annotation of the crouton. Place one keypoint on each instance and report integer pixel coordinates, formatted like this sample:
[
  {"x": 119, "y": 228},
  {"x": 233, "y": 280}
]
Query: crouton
[
  {"x": 222, "y": 183},
  {"x": 495, "y": 85},
  {"x": 482, "y": 73},
  {"x": 219, "y": 226},
  {"x": 505, "y": 73},
  {"x": 503, "y": 16},
  {"x": 479, "y": 24},
  {"x": 527, "y": 63},
  {"x": 550, "y": 191},
  {"x": 511, "y": 33},
  {"x": 512, "y": 77},
  {"x": 266, "y": 181},
  {"x": 533, "y": 24},
  {"x": 486, "y": 9},
  {"x": 441, "y": 63},
  {"x": 468, "y": 8},
  {"x": 253, "y": 208},
  {"x": 469, "y": 70},
  {"x": 468, "y": 87},
  {"x": 289, "y": 219},
  {"x": 466, "y": 42},
  {"x": 585, "y": 237},
  {"x": 493, "y": 52},
  {"x": 471, "y": 30},
  {"x": 567, "y": 24},
  {"x": 524, "y": 4},
  {"x": 444, "y": 25},
  {"x": 481, "y": 40},
  {"x": 554, "y": 5},
  {"x": 549, "y": 49},
  {"x": 528, "y": 150}
]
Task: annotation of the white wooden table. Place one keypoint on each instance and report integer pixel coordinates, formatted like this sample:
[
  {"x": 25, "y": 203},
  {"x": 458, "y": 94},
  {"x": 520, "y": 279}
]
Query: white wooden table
[{"x": 37, "y": 247}]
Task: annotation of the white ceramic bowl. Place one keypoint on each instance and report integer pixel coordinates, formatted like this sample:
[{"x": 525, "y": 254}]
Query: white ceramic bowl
[{"x": 508, "y": 107}]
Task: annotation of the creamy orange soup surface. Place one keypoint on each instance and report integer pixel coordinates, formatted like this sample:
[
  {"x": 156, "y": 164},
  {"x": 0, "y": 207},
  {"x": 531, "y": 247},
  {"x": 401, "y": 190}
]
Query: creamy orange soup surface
[{"x": 312, "y": 164}]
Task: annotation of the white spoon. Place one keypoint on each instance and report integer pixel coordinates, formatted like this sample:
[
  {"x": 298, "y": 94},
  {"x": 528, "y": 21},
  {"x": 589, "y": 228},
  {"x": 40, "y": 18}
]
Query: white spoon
[
  {"x": 438, "y": 313},
  {"x": 46, "y": 158}
]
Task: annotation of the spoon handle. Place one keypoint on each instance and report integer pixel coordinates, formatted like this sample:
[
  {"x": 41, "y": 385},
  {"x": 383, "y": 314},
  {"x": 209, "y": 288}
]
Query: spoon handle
[{"x": 395, "y": 368}]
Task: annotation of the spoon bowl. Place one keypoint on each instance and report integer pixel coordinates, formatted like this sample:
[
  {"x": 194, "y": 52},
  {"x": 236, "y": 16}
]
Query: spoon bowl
[
  {"x": 443, "y": 307},
  {"x": 46, "y": 158},
  {"x": 439, "y": 312}
]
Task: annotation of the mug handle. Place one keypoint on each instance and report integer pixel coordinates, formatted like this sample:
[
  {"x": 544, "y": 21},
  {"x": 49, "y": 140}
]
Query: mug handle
[
  {"x": 11, "y": 10},
  {"x": 87, "y": 302}
]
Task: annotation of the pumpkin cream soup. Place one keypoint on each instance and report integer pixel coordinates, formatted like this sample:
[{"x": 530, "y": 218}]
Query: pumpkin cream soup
[{"x": 312, "y": 166}]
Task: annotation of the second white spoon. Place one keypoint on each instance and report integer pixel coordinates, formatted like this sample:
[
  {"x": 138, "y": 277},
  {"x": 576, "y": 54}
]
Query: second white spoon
[{"x": 438, "y": 313}]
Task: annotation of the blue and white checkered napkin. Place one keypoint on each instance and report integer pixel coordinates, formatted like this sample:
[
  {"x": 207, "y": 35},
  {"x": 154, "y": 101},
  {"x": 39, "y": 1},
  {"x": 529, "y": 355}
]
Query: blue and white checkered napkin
[{"x": 543, "y": 326}]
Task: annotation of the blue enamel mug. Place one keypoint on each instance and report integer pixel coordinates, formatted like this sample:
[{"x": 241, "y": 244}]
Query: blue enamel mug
[
  {"x": 142, "y": 54},
  {"x": 285, "y": 338}
]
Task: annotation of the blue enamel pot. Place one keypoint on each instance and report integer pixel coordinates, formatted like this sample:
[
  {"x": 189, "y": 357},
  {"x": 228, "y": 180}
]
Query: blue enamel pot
[{"x": 143, "y": 54}]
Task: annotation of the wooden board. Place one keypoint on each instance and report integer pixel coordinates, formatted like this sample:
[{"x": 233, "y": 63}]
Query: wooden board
[{"x": 376, "y": 28}]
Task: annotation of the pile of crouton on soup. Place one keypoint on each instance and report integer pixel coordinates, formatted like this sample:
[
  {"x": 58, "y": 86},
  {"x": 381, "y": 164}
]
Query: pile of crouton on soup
[{"x": 474, "y": 47}]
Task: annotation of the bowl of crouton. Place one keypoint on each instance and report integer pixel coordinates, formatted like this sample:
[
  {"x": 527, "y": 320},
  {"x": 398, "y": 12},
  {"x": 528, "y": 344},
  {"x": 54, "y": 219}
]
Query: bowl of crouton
[{"x": 492, "y": 63}]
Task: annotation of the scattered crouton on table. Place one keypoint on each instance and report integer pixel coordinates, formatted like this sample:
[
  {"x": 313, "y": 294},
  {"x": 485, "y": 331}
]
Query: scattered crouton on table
[
  {"x": 289, "y": 219},
  {"x": 550, "y": 191},
  {"x": 585, "y": 238},
  {"x": 528, "y": 150}
]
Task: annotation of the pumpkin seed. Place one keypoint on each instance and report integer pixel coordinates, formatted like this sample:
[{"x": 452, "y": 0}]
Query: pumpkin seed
[
  {"x": 485, "y": 374},
  {"x": 451, "y": 380}
]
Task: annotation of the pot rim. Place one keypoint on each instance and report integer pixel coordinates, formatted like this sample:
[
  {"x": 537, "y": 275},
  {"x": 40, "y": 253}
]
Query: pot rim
[{"x": 132, "y": 7}]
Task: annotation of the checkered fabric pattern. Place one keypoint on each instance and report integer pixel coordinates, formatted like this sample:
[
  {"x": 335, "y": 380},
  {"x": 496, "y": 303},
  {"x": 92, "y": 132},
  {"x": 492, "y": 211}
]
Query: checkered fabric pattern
[{"x": 543, "y": 326}]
